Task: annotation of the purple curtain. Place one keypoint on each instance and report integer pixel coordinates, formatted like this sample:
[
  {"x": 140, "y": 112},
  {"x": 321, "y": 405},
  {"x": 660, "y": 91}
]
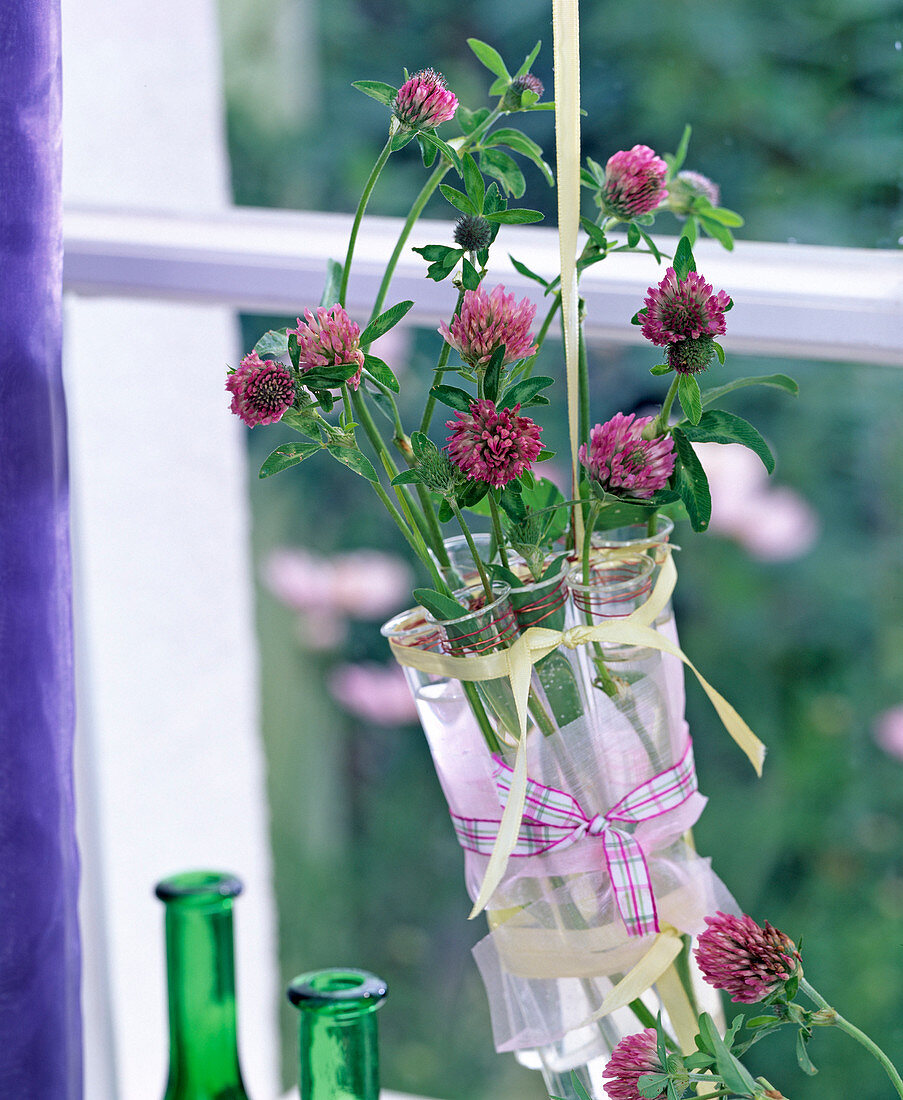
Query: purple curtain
[{"x": 40, "y": 1026}]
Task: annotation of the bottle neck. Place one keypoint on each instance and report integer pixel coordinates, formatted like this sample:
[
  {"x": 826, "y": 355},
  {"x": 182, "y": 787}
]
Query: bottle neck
[
  {"x": 202, "y": 1022},
  {"x": 339, "y": 1057},
  {"x": 339, "y": 1050}
]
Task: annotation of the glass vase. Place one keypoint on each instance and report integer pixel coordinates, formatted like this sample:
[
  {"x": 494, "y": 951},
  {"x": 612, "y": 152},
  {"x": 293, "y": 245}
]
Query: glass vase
[
  {"x": 635, "y": 538},
  {"x": 200, "y": 967},
  {"x": 337, "y": 1035}
]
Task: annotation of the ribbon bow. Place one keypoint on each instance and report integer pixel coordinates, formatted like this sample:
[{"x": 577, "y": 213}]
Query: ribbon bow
[
  {"x": 554, "y": 819},
  {"x": 516, "y": 664}
]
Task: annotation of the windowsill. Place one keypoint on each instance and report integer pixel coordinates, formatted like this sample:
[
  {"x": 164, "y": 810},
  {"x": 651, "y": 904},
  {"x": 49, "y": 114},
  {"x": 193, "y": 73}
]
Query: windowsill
[{"x": 794, "y": 300}]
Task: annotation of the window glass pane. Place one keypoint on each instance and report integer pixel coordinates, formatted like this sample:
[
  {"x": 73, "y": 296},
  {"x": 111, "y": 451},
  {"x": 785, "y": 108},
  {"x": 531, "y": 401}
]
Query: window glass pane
[
  {"x": 795, "y": 108},
  {"x": 791, "y": 605}
]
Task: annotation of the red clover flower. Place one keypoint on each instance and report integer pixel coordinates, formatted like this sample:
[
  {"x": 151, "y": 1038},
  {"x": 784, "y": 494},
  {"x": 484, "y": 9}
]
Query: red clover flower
[
  {"x": 262, "y": 390},
  {"x": 748, "y": 962},
  {"x": 424, "y": 101},
  {"x": 622, "y": 461},
  {"x": 683, "y": 309},
  {"x": 493, "y": 445},
  {"x": 633, "y": 1057},
  {"x": 487, "y": 321},
  {"x": 634, "y": 182},
  {"x": 329, "y": 339}
]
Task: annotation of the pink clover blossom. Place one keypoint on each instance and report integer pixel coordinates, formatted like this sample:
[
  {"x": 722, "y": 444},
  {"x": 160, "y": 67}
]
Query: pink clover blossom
[
  {"x": 634, "y": 182},
  {"x": 683, "y": 309},
  {"x": 493, "y": 445},
  {"x": 328, "y": 339},
  {"x": 485, "y": 322},
  {"x": 632, "y": 1058},
  {"x": 261, "y": 389},
  {"x": 625, "y": 463},
  {"x": 747, "y": 961},
  {"x": 424, "y": 101}
]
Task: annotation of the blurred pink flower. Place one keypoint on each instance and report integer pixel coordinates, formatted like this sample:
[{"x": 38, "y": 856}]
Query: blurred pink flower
[
  {"x": 888, "y": 731},
  {"x": 360, "y": 584},
  {"x": 376, "y": 693},
  {"x": 687, "y": 186},
  {"x": 772, "y": 522}
]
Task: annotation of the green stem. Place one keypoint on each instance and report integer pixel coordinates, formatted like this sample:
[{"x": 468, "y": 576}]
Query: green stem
[
  {"x": 420, "y": 202},
  {"x": 481, "y": 569},
  {"x": 359, "y": 214},
  {"x": 497, "y": 528},
  {"x": 594, "y": 509},
  {"x": 429, "y": 514},
  {"x": 652, "y": 524},
  {"x": 854, "y": 1032},
  {"x": 414, "y": 538},
  {"x": 479, "y": 712},
  {"x": 682, "y": 966},
  {"x": 416, "y": 210},
  {"x": 582, "y": 386},
  {"x": 362, "y": 413},
  {"x": 541, "y": 335},
  {"x": 662, "y": 424},
  {"x": 438, "y": 373}
]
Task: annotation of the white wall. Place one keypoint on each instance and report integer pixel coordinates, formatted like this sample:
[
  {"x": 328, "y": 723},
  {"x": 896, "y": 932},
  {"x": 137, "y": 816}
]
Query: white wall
[{"x": 170, "y": 768}]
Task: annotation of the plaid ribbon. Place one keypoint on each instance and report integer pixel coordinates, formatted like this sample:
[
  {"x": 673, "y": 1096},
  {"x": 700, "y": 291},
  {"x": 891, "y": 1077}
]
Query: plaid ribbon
[{"x": 554, "y": 819}]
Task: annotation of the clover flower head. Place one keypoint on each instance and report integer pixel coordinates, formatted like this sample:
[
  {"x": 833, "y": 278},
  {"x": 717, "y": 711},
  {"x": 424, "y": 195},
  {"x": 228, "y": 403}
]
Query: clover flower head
[
  {"x": 747, "y": 961},
  {"x": 623, "y": 462},
  {"x": 690, "y": 356},
  {"x": 493, "y": 445},
  {"x": 632, "y": 1058},
  {"x": 683, "y": 309},
  {"x": 634, "y": 182},
  {"x": 424, "y": 101},
  {"x": 687, "y": 186},
  {"x": 514, "y": 93},
  {"x": 262, "y": 390},
  {"x": 485, "y": 322},
  {"x": 473, "y": 232},
  {"x": 329, "y": 338}
]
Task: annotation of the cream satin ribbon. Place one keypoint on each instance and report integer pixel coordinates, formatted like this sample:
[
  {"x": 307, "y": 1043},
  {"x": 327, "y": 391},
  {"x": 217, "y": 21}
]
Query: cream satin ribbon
[
  {"x": 656, "y": 967},
  {"x": 566, "y": 34},
  {"x": 516, "y": 664}
]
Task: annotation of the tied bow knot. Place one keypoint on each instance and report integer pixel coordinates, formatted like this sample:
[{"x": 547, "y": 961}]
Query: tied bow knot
[
  {"x": 597, "y": 826},
  {"x": 554, "y": 819},
  {"x": 576, "y": 636}
]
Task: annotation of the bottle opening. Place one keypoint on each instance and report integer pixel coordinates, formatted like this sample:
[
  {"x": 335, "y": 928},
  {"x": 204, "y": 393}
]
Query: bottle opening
[
  {"x": 199, "y": 887},
  {"x": 338, "y": 989}
]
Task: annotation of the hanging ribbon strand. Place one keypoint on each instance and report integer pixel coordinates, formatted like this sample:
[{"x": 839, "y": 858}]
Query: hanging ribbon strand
[{"x": 566, "y": 32}]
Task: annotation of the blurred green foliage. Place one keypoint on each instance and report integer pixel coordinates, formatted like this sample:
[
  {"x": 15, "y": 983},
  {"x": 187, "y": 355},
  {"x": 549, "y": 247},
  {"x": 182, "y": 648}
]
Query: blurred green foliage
[
  {"x": 796, "y": 108},
  {"x": 796, "y": 112}
]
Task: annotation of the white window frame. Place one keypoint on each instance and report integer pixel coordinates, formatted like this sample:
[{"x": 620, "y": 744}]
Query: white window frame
[{"x": 798, "y": 301}]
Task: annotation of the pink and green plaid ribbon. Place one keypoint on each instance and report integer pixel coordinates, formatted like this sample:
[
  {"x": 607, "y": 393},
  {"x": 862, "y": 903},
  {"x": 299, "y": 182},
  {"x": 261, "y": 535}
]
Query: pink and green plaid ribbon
[{"x": 554, "y": 819}]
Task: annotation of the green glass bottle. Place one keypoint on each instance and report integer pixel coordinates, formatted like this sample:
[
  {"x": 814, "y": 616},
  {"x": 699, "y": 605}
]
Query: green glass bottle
[
  {"x": 200, "y": 968},
  {"x": 338, "y": 1040}
]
